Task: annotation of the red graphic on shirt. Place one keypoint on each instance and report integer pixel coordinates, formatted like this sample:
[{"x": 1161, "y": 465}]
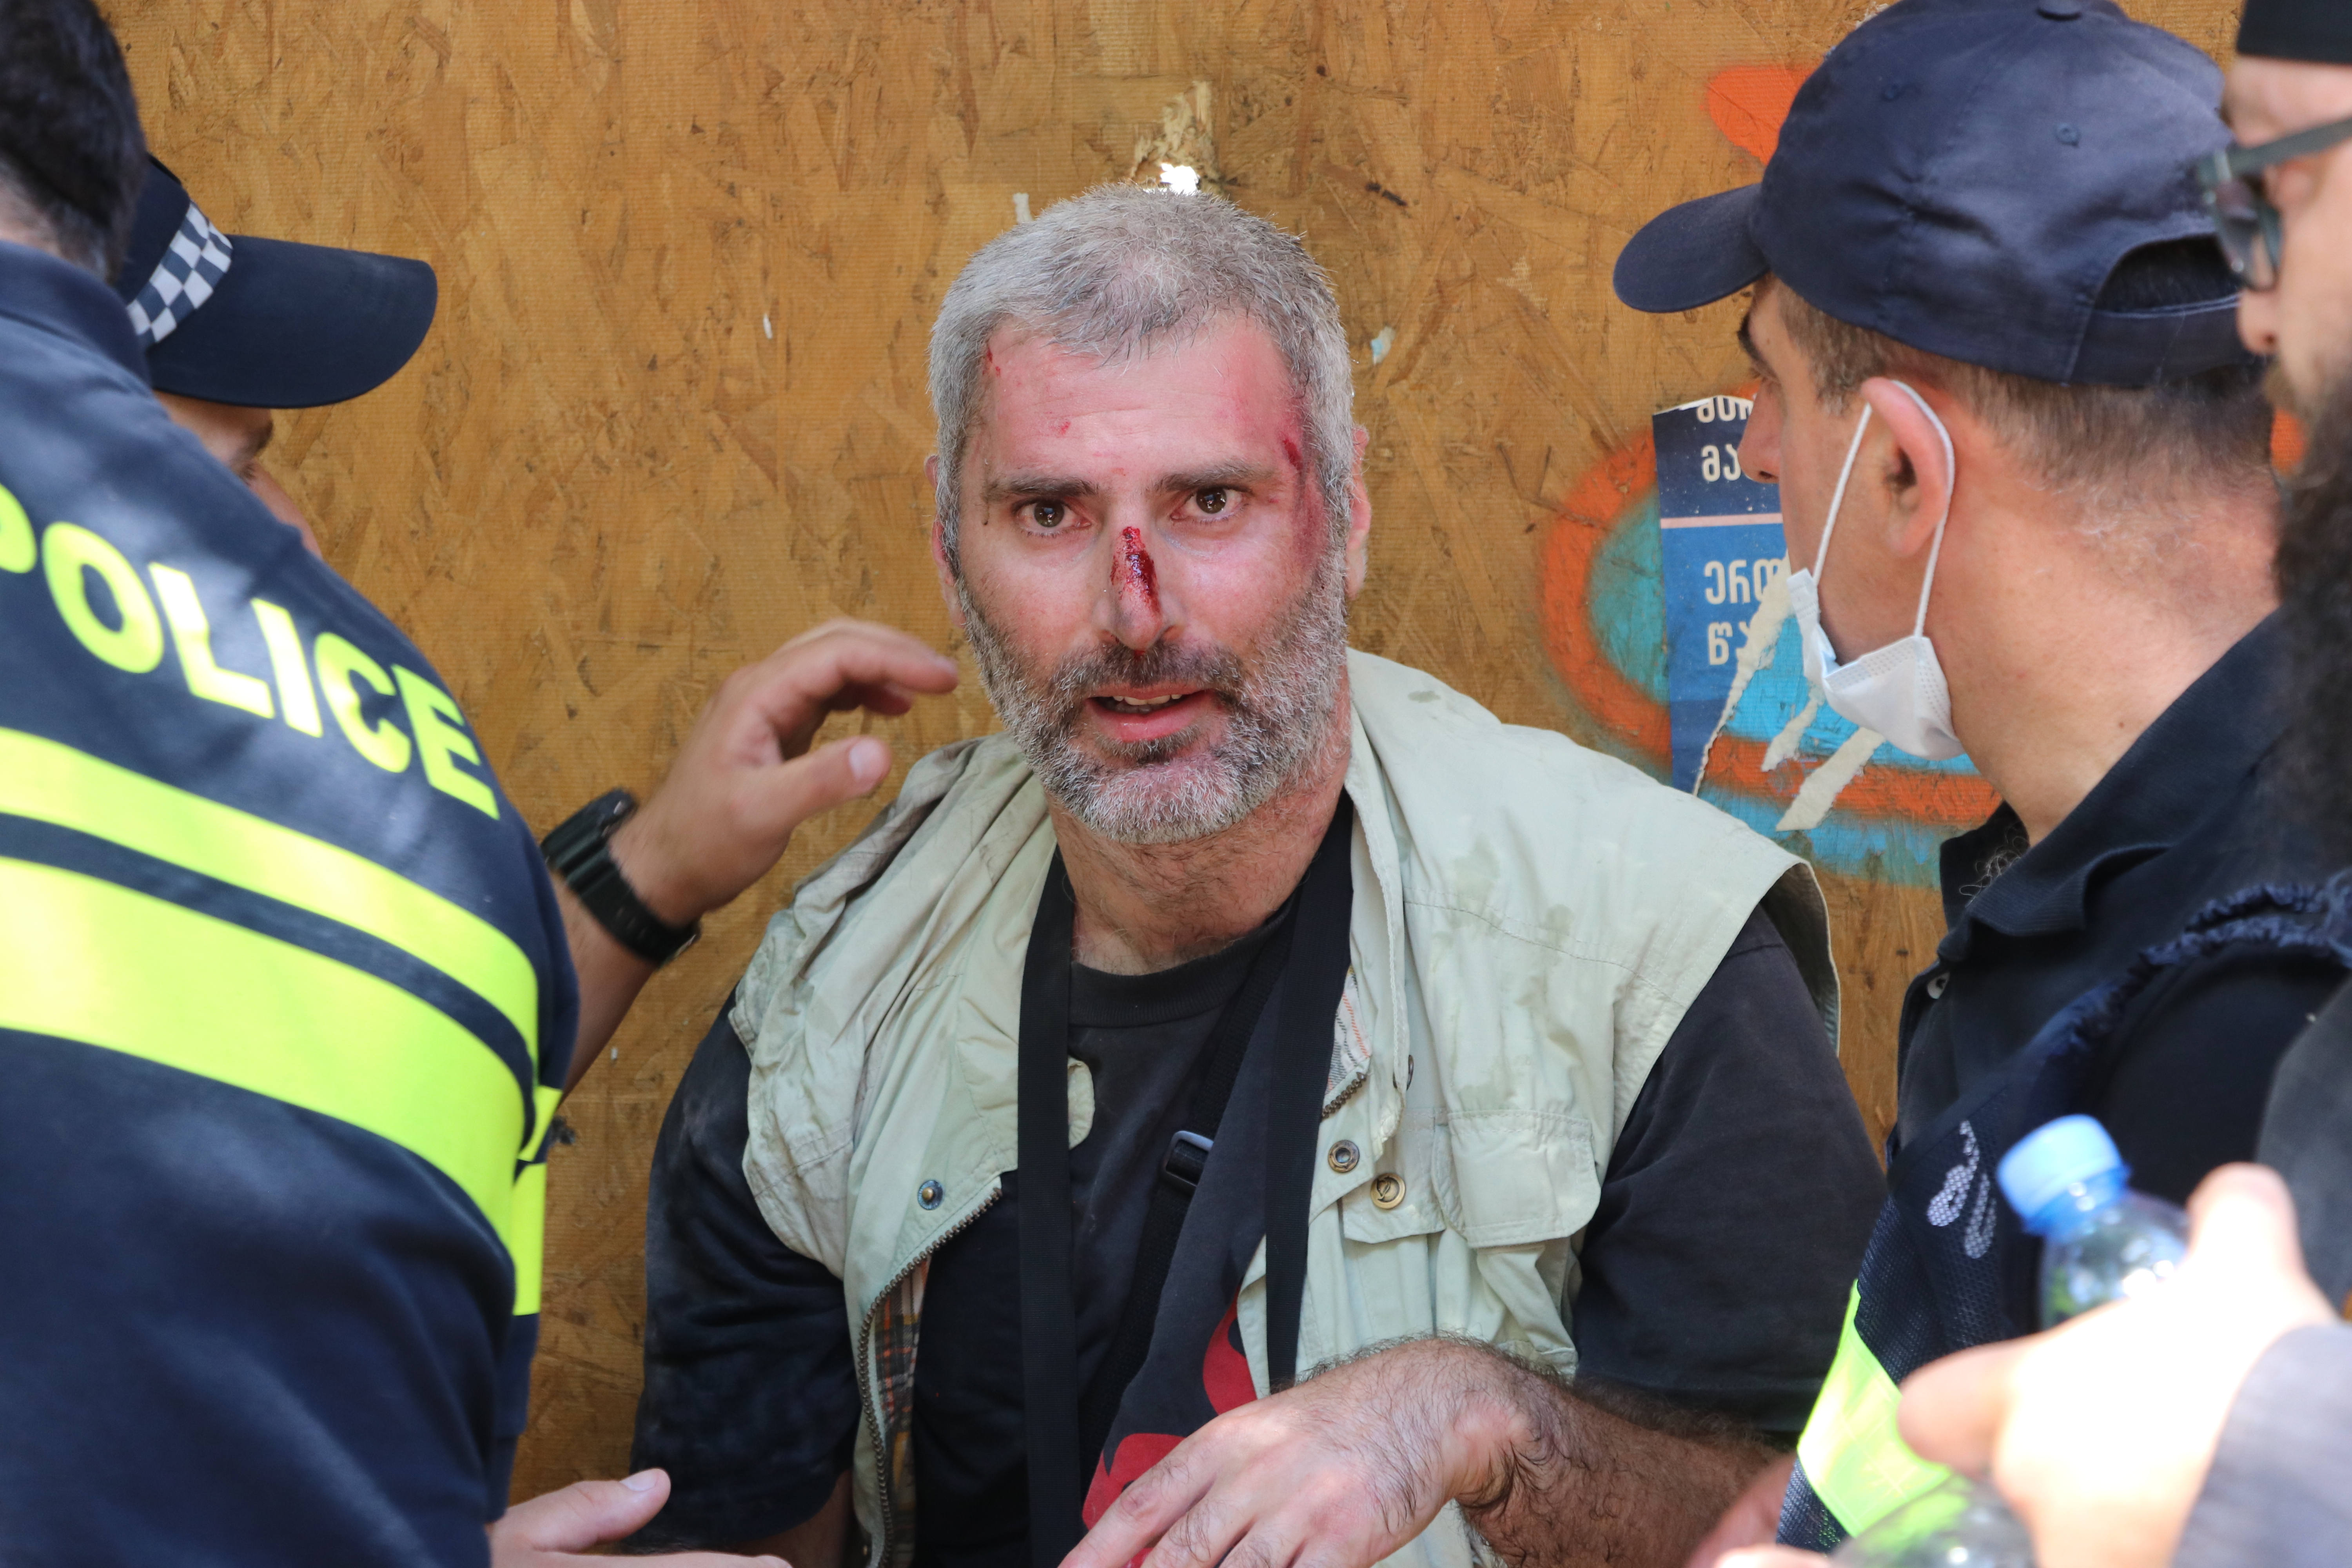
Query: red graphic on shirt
[
  {"x": 1224, "y": 1378},
  {"x": 1138, "y": 560},
  {"x": 1224, "y": 1370}
]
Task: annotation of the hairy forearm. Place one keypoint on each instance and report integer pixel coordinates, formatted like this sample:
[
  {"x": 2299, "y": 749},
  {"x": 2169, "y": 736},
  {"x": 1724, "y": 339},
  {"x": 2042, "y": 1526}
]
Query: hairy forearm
[{"x": 1578, "y": 1484}]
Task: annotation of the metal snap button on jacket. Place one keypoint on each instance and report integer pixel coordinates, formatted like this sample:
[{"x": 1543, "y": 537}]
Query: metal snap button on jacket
[
  {"x": 1388, "y": 1190},
  {"x": 930, "y": 1194},
  {"x": 1345, "y": 1156}
]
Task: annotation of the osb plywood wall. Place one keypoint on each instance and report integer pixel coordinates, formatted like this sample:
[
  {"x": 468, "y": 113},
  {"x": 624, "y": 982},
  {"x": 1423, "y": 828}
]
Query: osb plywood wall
[{"x": 672, "y": 411}]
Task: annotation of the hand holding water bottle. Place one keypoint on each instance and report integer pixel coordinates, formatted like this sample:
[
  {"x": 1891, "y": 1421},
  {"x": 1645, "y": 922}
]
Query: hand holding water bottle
[
  {"x": 2084, "y": 1428},
  {"x": 2101, "y": 1243},
  {"x": 2099, "y": 1433}
]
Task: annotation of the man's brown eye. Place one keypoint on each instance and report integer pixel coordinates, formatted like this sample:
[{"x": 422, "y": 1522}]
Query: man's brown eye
[
  {"x": 1048, "y": 514},
  {"x": 1211, "y": 501}
]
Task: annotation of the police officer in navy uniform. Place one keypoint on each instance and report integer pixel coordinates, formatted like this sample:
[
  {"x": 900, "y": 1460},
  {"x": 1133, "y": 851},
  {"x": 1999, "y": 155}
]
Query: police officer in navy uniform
[
  {"x": 2023, "y": 459},
  {"x": 288, "y": 995}
]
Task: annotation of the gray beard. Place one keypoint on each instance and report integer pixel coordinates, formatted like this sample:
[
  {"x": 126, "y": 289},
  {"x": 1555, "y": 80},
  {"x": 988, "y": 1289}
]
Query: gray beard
[{"x": 1278, "y": 713}]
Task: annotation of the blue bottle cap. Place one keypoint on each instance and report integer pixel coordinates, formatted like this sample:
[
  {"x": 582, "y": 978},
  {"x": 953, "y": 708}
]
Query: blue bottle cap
[{"x": 2074, "y": 1150}]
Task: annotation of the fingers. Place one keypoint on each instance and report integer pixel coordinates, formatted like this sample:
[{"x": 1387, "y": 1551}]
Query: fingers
[
  {"x": 843, "y": 664},
  {"x": 2245, "y": 1249},
  {"x": 1151, "y": 1503},
  {"x": 1210, "y": 1531},
  {"x": 1952, "y": 1409},
  {"x": 583, "y": 1514},
  {"x": 1269, "y": 1546},
  {"x": 2242, "y": 1217},
  {"x": 741, "y": 784},
  {"x": 588, "y": 1514},
  {"x": 834, "y": 773}
]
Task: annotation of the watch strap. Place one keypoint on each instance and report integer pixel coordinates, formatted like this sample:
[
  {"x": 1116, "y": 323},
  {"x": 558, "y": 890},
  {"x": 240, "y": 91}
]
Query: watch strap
[{"x": 579, "y": 852}]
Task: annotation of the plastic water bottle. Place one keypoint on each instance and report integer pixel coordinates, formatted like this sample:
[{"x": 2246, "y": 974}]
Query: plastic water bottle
[
  {"x": 1960, "y": 1524},
  {"x": 2101, "y": 1242}
]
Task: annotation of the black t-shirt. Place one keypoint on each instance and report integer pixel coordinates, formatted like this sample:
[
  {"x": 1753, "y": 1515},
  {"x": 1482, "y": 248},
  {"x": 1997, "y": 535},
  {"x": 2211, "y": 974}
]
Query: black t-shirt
[
  {"x": 2191, "y": 813},
  {"x": 284, "y": 999},
  {"x": 1713, "y": 1275},
  {"x": 1144, "y": 1039}
]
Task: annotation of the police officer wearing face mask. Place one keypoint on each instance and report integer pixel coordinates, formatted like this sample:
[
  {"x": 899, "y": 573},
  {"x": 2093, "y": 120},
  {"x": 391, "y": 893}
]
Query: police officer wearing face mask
[{"x": 2024, "y": 467}]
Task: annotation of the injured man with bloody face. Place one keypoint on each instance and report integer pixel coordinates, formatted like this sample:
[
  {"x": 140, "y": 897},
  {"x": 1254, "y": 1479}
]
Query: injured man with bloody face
[{"x": 1250, "y": 1012}]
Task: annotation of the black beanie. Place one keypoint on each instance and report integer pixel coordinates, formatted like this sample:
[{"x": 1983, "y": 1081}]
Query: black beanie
[{"x": 2319, "y": 30}]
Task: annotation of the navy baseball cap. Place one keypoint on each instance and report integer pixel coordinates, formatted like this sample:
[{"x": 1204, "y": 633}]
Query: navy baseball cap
[
  {"x": 1961, "y": 176},
  {"x": 263, "y": 323}
]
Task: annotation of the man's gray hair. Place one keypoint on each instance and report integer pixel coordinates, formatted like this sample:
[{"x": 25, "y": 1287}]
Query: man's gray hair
[{"x": 1119, "y": 271}]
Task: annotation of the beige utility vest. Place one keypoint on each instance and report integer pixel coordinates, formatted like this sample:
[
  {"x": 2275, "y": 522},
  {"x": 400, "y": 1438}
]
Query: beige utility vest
[{"x": 1531, "y": 919}]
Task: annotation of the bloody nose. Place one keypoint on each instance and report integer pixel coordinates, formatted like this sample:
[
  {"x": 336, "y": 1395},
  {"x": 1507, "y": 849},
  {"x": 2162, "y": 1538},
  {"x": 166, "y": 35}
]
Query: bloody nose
[{"x": 1134, "y": 565}]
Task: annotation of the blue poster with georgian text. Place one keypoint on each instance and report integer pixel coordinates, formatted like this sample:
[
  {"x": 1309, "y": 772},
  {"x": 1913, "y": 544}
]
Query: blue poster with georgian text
[{"x": 1722, "y": 549}]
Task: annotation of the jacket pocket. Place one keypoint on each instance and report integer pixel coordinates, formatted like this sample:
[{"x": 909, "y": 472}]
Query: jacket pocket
[{"x": 1514, "y": 1178}]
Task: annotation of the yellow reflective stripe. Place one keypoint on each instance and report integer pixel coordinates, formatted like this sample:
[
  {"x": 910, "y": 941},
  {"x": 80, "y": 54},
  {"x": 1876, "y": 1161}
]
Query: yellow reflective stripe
[
  {"x": 105, "y": 965},
  {"x": 544, "y": 1099},
  {"x": 527, "y": 1235},
  {"x": 53, "y": 783},
  {"x": 1857, "y": 1463}
]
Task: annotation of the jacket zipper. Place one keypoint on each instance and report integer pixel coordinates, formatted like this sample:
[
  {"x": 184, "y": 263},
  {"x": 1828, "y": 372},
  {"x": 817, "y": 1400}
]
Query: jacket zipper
[{"x": 881, "y": 1557}]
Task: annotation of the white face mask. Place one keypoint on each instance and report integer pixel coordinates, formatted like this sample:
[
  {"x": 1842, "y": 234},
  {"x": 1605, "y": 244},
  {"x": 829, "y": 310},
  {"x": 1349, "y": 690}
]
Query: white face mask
[{"x": 1898, "y": 689}]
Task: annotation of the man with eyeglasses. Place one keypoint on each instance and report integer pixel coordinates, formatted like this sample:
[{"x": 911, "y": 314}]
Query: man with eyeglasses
[
  {"x": 2207, "y": 1423},
  {"x": 2290, "y": 102}
]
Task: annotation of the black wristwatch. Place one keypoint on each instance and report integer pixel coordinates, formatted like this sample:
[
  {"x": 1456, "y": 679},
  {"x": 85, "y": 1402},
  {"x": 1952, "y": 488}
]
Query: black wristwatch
[{"x": 578, "y": 853}]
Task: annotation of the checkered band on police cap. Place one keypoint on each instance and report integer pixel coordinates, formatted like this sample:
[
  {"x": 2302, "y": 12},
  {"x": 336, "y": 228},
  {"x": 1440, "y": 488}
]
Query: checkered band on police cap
[{"x": 193, "y": 265}]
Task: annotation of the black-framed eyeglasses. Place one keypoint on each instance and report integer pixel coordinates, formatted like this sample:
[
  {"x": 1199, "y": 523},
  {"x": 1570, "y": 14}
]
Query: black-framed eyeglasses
[{"x": 2244, "y": 220}]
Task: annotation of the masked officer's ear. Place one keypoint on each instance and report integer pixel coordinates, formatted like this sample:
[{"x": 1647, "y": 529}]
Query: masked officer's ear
[{"x": 1911, "y": 466}]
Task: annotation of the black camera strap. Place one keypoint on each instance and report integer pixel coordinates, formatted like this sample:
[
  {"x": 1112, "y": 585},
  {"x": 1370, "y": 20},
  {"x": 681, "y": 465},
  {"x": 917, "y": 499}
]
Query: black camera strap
[{"x": 1301, "y": 970}]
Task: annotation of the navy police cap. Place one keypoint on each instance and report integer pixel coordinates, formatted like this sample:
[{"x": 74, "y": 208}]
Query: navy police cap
[
  {"x": 263, "y": 323},
  {"x": 1961, "y": 176}
]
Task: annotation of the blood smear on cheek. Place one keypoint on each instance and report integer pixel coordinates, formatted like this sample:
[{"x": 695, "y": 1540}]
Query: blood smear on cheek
[{"x": 1138, "y": 562}]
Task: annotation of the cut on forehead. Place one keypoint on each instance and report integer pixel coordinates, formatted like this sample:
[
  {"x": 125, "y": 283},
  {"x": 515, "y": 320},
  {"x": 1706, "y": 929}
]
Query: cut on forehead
[{"x": 1122, "y": 269}]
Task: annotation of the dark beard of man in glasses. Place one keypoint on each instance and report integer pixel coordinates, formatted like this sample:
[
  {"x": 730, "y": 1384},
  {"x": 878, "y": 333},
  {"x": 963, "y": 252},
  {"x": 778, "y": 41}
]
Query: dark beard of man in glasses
[{"x": 2315, "y": 577}]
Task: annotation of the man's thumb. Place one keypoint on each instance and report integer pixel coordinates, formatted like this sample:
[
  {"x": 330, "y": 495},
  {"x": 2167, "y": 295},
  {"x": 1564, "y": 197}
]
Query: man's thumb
[
  {"x": 1952, "y": 1409},
  {"x": 586, "y": 1513},
  {"x": 2242, "y": 1218},
  {"x": 824, "y": 779}
]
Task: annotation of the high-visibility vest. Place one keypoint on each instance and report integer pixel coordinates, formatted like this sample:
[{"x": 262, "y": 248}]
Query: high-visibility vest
[
  {"x": 369, "y": 935},
  {"x": 1949, "y": 1264}
]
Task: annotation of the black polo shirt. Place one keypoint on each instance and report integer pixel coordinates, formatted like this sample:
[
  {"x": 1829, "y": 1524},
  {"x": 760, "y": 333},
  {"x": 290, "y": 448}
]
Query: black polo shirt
[{"x": 2194, "y": 811}]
